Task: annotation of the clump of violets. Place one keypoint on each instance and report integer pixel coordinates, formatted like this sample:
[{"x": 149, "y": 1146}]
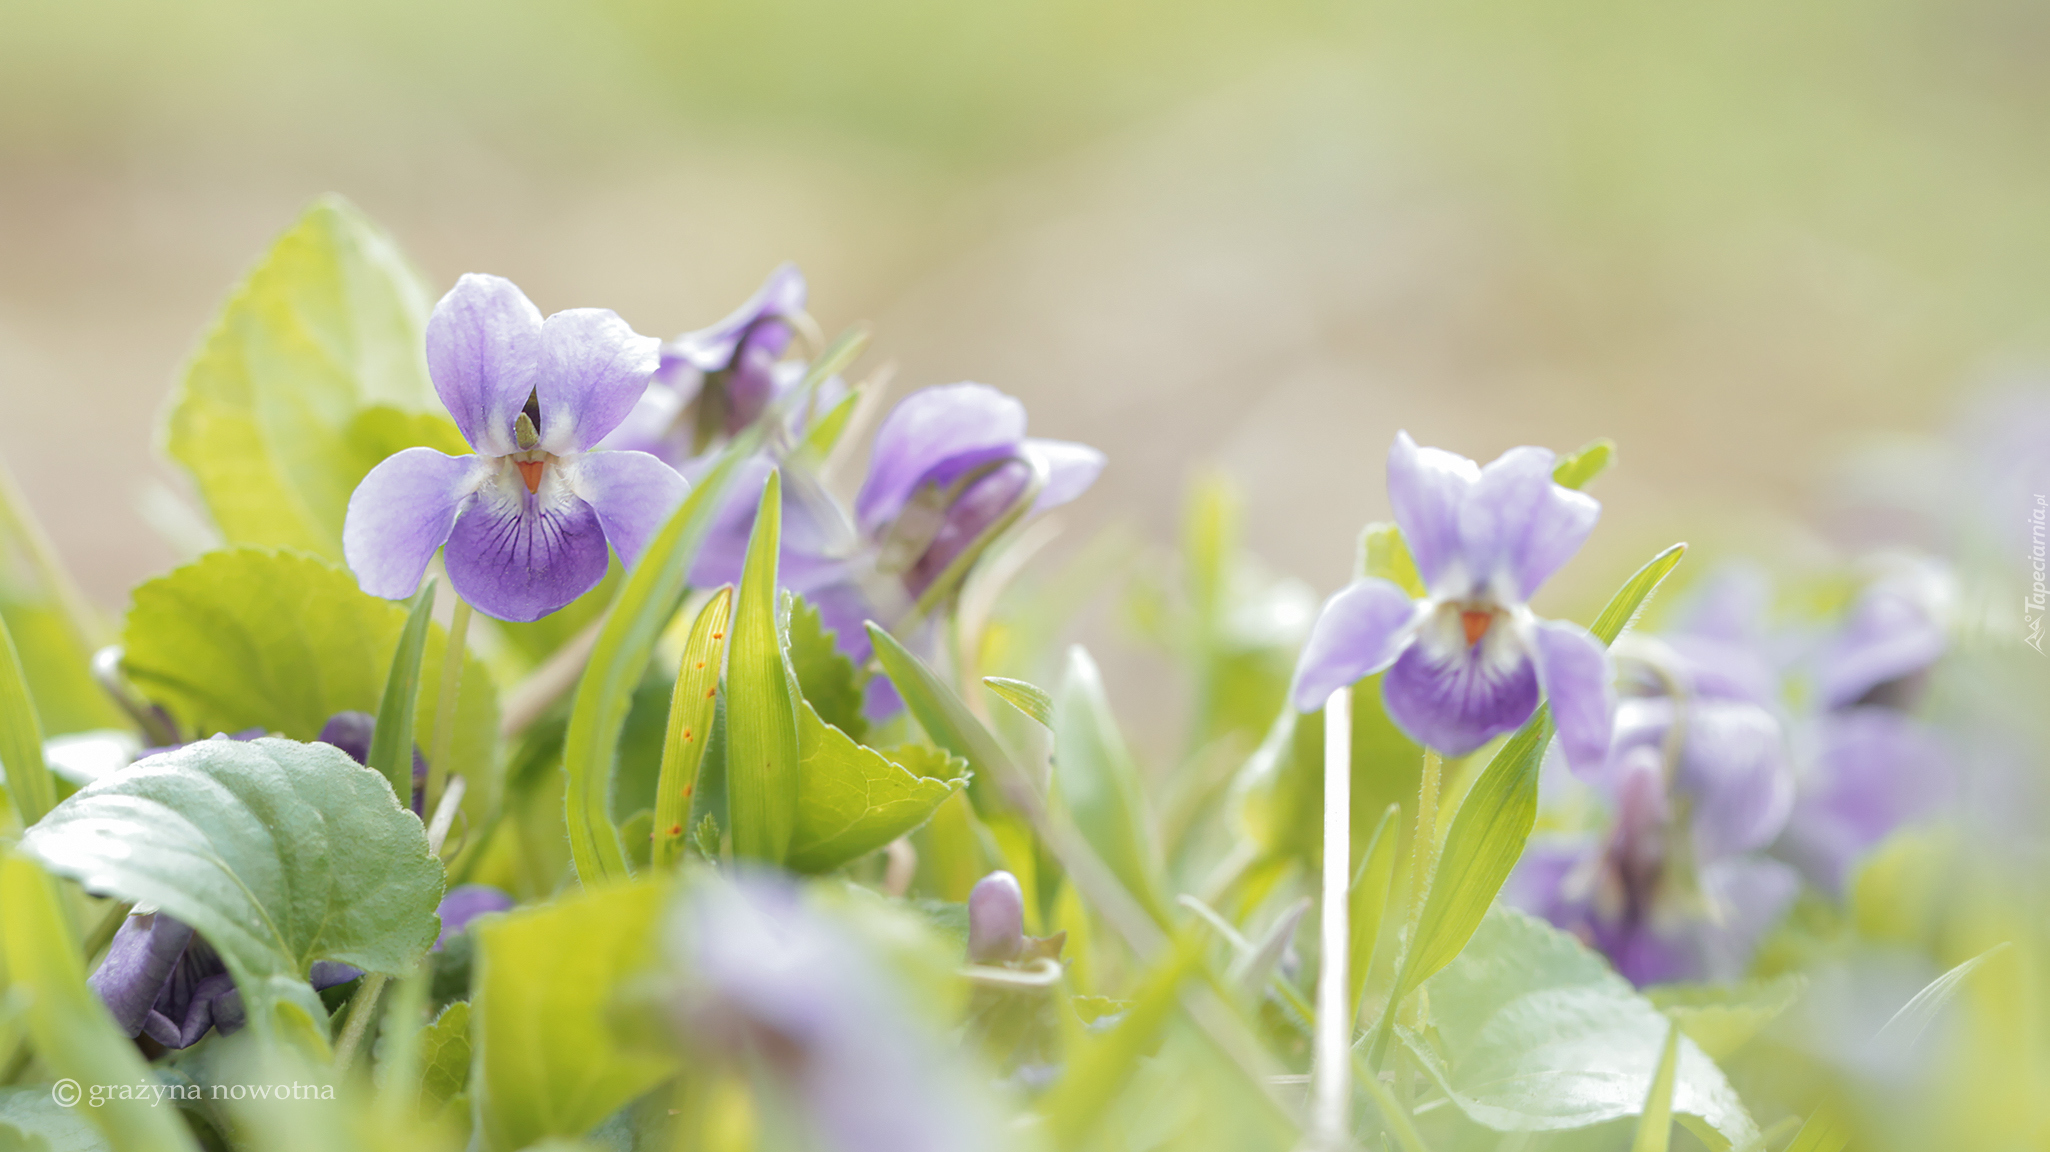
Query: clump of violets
[
  {"x": 1470, "y": 660},
  {"x": 951, "y": 469},
  {"x": 525, "y": 522}
]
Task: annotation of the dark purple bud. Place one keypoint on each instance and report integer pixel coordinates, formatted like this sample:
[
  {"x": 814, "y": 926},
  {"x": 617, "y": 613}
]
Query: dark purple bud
[
  {"x": 352, "y": 733},
  {"x": 465, "y": 903},
  {"x": 996, "y": 919},
  {"x": 138, "y": 964}
]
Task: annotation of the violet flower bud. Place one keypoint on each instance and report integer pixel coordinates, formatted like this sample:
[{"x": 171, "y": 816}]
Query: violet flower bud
[{"x": 996, "y": 919}]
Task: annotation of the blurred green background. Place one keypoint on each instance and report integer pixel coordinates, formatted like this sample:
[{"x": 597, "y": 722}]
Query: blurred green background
[{"x": 1261, "y": 236}]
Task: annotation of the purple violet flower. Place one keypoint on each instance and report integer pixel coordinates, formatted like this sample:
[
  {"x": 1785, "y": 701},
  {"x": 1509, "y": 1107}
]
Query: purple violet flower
[
  {"x": 951, "y": 466},
  {"x": 1892, "y": 635},
  {"x": 716, "y": 381},
  {"x": 1868, "y": 771},
  {"x": 1676, "y": 889},
  {"x": 526, "y": 520},
  {"x": 773, "y": 984},
  {"x": 1468, "y": 662}
]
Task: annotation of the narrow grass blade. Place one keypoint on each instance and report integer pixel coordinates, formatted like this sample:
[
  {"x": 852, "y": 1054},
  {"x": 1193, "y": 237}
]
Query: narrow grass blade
[
  {"x": 72, "y": 1033},
  {"x": 1825, "y": 1131},
  {"x": 1907, "y": 1025},
  {"x": 1655, "y": 1123},
  {"x": 391, "y": 743},
  {"x": 761, "y": 716},
  {"x": 691, "y": 708},
  {"x": 620, "y": 658},
  {"x": 1371, "y": 885},
  {"x": 21, "y": 739},
  {"x": 1096, "y": 1075}
]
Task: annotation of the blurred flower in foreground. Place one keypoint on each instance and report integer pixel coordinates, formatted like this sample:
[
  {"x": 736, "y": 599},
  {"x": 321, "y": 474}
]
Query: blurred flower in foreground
[
  {"x": 526, "y": 520},
  {"x": 1674, "y": 890},
  {"x": 951, "y": 469},
  {"x": 1467, "y": 663},
  {"x": 769, "y": 984}
]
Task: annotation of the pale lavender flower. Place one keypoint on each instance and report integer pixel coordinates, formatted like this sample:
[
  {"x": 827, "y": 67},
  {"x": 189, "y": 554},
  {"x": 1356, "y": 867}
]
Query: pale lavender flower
[
  {"x": 1469, "y": 661},
  {"x": 1892, "y": 635},
  {"x": 767, "y": 982},
  {"x": 526, "y": 520},
  {"x": 1868, "y": 771}
]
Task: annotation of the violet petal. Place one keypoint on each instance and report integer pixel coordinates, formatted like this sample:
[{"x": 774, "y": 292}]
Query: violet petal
[
  {"x": 1360, "y": 631},
  {"x": 632, "y": 493},
  {"x": 594, "y": 367},
  {"x": 1427, "y": 486},
  {"x": 400, "y": 513},
  {"x": 484, "y": 352}
]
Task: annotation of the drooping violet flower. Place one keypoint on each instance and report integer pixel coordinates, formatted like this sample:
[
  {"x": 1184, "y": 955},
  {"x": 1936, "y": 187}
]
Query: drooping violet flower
[
  {"x": 352, "y": 732},
  {"x": 951, "y": 467},
  {"x": 716, "y": 381},
  {"x": 526, "y": 520},
  {"x": 766, "y": 982},
  {"x": 1469, "y": 661}
]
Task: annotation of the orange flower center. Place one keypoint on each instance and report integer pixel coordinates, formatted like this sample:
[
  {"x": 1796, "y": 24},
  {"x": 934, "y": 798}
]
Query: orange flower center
[
  {"x": 1476, "y": 625},
  {"x": 530, "y": 471}
]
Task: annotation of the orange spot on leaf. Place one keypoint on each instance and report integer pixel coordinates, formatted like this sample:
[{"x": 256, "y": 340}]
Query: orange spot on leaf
[{"x": 676, "y": 829}]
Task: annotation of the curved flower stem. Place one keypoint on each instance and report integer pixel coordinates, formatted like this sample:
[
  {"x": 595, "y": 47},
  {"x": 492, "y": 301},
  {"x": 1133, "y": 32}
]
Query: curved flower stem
[
  {"x": 1331, "y": 1073},
  {"x": 452, "y": 655}
]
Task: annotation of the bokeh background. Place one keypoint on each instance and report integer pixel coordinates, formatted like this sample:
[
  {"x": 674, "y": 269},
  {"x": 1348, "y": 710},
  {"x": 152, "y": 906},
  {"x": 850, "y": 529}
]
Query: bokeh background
[{"x": 1738, "y": 237}]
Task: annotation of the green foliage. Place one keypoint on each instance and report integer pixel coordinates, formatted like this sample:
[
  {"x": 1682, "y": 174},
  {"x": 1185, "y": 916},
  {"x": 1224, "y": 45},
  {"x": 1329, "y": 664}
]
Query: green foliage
[
  {"x": 618, "y": 662},
  {"x": 391, "y": 743},
  {"x": 31, "y": 1121},
  {"x": 1655, "y": 1122},
  {"x": 1385, "y": 555},
  {"x": 1722, "y": 1018},
  {"x": 445, "y": 1059},
  {"x": 546, "y": 1060},
  {"x": 1029, "y": 699},
  {"x": 54, "y": 630},
  {"x": 1098, "y": 782},
  {"x": 1532, "y": 1032},
  {"x": 945, "y": 718},
  {"x": 249, "y": 638},
  {"x": 761, "y": 713},
  {"x": 1368, "y": 898},
  {"x": 73, "y": 1036},
  {"x": 827, "y": 678},
  {"x": 852, "y": 800},
  {"x": 1577, "y": 470},
  {"x": 279, "y": 853},
  {"x": 688, "y": 733},
  {"x": 314, "y": 372},
  {"x": 21, "y": 739},
  {"x": 1095, "y": 1075}
]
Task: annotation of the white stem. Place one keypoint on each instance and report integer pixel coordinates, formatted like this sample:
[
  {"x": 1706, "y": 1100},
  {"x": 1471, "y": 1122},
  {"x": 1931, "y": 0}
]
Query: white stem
[
  {"x": 445, "y": 815},
  {"x": 1331, "y": 1074}
]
